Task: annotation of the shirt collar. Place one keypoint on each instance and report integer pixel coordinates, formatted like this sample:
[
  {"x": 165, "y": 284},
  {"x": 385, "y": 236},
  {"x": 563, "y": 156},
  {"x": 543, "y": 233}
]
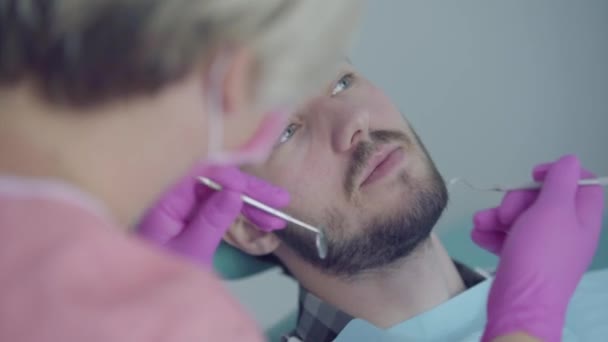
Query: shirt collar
[
  {"x": 322, "y": 322},
  {"x": 53, "y": 189},
  {"x": 318, "y": 320}
]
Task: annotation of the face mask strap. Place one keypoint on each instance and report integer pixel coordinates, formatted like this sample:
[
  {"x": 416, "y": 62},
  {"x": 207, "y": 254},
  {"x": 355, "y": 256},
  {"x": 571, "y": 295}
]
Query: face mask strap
[{"x": 215, "y": 106}]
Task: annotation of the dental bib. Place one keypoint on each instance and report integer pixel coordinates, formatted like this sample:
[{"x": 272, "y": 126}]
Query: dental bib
[{"x": 463, "y": 317}]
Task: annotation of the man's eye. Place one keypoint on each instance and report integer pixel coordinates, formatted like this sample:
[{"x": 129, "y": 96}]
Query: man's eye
[
  {"x": 288, "y": 133},
  {"x": 344, "y": 83}
]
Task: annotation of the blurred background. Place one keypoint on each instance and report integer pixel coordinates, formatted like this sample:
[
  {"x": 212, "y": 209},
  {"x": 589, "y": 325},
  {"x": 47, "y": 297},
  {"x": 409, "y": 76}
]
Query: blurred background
[{"x": 492, "y": 88}]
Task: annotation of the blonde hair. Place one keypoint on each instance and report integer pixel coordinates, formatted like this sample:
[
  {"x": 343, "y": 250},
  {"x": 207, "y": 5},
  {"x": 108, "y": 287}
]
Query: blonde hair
[{"x": 85, "y": 52}]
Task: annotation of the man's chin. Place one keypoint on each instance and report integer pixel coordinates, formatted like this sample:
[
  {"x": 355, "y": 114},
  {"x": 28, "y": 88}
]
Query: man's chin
[
  {"x": 386, "y": 239},
  {"x": 357, "y": 244}
]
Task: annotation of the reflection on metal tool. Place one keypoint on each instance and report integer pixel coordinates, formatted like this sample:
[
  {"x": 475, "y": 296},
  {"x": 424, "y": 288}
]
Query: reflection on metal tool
[{"x": 320, "y": 239}]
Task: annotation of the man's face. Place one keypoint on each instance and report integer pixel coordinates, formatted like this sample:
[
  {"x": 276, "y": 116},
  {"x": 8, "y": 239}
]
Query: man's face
[{"x": 355, "y": 168}]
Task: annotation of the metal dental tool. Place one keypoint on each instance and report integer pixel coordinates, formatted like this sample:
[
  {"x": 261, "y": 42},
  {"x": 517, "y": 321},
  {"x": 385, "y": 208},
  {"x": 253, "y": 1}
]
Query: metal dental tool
[
  {"x": 320, "y": 239},
  {"x": 602, "y": 181}
]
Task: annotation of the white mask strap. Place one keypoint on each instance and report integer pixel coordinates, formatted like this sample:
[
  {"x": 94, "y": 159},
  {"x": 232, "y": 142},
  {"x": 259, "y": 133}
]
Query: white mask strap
[{"x": 215, "y": 105}]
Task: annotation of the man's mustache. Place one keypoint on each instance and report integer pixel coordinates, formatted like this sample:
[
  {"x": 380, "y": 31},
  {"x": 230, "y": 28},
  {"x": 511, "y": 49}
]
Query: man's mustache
[{"x": 364, "y": 151}]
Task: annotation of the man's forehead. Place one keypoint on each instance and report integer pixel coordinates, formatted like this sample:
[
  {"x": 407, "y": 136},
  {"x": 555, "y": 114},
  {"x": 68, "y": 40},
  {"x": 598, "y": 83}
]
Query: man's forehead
[{"x": 342, "y": 68}]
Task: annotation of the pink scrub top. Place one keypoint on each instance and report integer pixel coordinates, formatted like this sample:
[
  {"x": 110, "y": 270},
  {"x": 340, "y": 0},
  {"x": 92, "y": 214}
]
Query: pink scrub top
[{"x": 67, "y": 273}]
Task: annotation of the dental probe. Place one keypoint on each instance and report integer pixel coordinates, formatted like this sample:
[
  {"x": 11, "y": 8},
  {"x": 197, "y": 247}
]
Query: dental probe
[
  {"x": 320, "y": 240},
  {"x": 602, "y": 181}
]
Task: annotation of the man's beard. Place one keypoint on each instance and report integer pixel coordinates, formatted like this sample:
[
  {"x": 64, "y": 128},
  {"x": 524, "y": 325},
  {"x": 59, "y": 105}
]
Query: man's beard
[{"x": 386, "y": 238}]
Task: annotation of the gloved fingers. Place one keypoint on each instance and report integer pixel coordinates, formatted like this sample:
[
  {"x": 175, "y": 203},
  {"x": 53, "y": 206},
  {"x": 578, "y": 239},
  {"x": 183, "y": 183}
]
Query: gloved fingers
[
  {"x": 491, "y": 241},
  {"x": 514, "y": 204},
  {"x": 590, "y": 203},
  {"x": 229, "y": 177},
  {"x": 208, "y": 225},
  {"x": 487, "y": 220},
  {"x": 263, "y": 221},
  {"x": 589, "y": 199},
  {"x": 270, "y": 195},
  {"x": 586, "y": 174},
  {"x": 175, "y": 204},
  {"x": 165, "y": 219},
  {"x": 561, "y": 182},
  {"x": 488, "y": 233},
  {"x": 185, "y": 189},
  {"x": 265, "y": 192},
  {"x": 540, "y": 172},
  {"x": 159, "y": 226},
  {"x": 234, "y": 179}
]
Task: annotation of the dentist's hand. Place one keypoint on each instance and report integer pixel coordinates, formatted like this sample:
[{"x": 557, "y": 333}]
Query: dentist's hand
[
  {"x": 191, "y": 219},
  {"x": 546, "y": 240}
]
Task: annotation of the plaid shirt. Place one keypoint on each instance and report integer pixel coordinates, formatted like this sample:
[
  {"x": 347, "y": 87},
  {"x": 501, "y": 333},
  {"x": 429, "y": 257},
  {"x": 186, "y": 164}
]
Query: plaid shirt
[{"x": 321, "y": 322}]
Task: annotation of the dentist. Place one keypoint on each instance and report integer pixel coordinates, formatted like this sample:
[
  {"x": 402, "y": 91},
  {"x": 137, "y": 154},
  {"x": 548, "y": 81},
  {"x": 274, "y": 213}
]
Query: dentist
[{"x": 104, "y": 106}]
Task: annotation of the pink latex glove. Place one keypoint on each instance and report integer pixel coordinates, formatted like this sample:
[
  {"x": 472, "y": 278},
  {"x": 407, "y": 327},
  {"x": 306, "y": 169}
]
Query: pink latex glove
[
  {"x": 191, "y": 219},
  {"x": 546, "y": 241}
]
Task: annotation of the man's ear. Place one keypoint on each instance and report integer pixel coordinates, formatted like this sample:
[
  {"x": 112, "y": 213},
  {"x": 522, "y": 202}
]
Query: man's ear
[{"x": 244, "y": 236}]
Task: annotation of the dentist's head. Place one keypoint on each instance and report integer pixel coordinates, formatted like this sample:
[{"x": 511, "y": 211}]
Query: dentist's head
[{"x": 121, "y": 97}]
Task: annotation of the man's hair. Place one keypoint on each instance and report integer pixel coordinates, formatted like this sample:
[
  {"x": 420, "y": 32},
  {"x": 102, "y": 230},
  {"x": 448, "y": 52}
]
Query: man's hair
[{"x": 82, "y": 53}]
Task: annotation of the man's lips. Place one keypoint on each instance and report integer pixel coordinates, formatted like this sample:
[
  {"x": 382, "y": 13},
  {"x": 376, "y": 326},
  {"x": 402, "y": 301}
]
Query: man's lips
[{"x": 381, "y": 163}]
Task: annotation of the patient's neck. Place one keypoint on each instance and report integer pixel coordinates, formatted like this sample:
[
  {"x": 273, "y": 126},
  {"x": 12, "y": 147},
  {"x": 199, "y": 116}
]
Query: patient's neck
[{"x": 386, "y": 297}]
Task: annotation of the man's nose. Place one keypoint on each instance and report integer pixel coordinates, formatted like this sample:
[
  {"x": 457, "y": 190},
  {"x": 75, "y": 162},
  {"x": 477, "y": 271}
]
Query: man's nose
[{"x": 349, "y": 127}]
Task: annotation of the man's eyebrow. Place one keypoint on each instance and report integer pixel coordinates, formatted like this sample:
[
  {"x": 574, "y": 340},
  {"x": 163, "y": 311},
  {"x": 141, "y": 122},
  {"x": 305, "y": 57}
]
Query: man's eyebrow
[{"x": 297, "y": 114}]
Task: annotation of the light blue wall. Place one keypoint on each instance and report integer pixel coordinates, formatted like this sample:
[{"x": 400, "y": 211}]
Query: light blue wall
[{"x": 492, "y": 87}]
